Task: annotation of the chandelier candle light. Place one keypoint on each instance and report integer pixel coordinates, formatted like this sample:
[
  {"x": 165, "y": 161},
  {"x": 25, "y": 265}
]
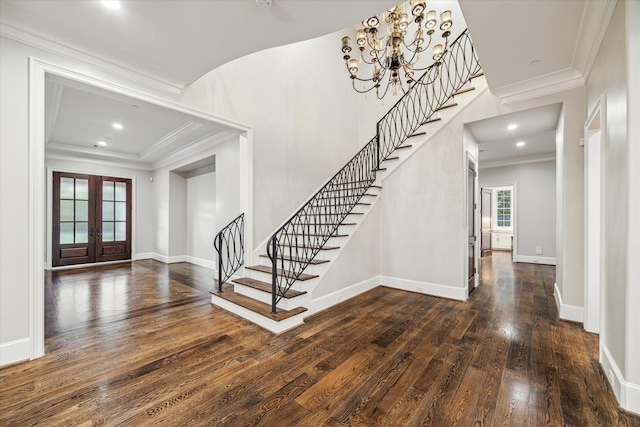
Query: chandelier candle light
[{"x": 389, "y": 54}]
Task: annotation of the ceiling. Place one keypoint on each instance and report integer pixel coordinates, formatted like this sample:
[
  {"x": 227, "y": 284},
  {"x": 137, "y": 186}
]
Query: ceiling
[
  {"x": 78, "y": 117},
  {"x": 176, "y": 42},
  {"x": 497, "y": 143},
  {"x": 161, "y": 44}
]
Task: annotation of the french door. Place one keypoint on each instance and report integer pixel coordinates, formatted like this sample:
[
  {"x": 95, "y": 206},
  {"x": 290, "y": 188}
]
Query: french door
[{"x": 91, "y": 219}]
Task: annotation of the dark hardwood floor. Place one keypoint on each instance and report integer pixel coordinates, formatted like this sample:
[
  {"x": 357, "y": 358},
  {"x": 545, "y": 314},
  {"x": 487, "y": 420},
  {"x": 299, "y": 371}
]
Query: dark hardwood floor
[{"x": 140, "y": 344}]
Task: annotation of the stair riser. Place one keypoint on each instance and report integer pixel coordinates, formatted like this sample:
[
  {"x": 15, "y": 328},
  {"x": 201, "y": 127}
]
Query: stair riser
[
  {"x": 313, "y": 269},
  {"x": 299, "y": 285},
  {"x": 285, "y": 303}
]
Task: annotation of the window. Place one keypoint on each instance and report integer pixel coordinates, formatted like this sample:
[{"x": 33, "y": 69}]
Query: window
[{"x": 503, "y": 208}]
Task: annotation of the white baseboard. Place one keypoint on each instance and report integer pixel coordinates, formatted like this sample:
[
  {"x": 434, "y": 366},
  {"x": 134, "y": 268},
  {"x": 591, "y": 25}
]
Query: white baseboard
[
  {"x": 566, "y": 311},
  {"x": 627, "y": 393},
  {"x": 181, "y": 258},
  {"x": 325, "y": 301},
  {"x": 145, "y": 255},
  {"x": 208, "y": 263},
  {"x": 15, "y": 351},
  {"x": 163, "y": 258},
  {"x": 536, "y": 259},
  {"x": 432, "y": 289}
]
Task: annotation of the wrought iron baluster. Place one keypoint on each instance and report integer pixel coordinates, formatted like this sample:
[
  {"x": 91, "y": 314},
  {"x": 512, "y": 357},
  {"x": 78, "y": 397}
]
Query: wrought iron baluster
[{"x": 229, "y": 245}]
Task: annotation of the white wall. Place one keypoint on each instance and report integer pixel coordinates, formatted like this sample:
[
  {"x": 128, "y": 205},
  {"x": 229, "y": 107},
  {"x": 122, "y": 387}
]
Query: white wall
[
  {"x": 359, "y": 260},
  {"x": 535, "y": 206},
  {"x": 633, "y": 267},
  {"x": 178, "y": 236},
  {"x": 614, "y": 75},
  {"x": 303, "y": 114},
  {"x": 227, "y": 183},
  {"x": 201, "y": 216}
]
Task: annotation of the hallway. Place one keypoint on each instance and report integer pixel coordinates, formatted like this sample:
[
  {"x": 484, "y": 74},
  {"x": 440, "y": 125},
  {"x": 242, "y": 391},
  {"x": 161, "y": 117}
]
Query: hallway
[{"x": 162, "y": 355}]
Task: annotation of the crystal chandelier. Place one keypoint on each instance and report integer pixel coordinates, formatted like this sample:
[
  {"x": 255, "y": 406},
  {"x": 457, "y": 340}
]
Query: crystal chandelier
[{"x": 390, "y": 56}]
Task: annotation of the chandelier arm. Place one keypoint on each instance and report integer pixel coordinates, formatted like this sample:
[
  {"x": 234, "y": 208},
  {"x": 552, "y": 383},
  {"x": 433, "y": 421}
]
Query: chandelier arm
[
  {"x": 408, "y": 46},
  {"x": 353, "y": 83},
  {"x": 386, "y": 89}
]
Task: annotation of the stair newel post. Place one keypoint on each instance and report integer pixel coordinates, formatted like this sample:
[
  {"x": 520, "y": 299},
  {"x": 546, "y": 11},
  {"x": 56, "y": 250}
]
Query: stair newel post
[
  {"x": 274, "y": 271},
  {"x": 219, "y": 262}
]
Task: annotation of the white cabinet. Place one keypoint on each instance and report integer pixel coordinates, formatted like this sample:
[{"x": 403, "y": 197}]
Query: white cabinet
[{"x": 501, "y": 241}]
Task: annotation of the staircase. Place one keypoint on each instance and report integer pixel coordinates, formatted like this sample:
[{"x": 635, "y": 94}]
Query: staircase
[{"x": 276, "y": 293}]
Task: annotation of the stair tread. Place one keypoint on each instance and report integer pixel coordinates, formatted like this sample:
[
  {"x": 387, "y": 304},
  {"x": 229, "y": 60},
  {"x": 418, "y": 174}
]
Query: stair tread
[
  {"x": 293, "y": 258},
  {"x": 379, "y": 169},
  {"x": 479, "y": 74},
  {"x": 328, "y": 223},
  {"x": 264, "y": 286},
  {"x": 437, "y": 119},
  {"x": 348, "y": 204},
  {"x": 317, "y": 235},
  {"x": 392, "y": 158},
  {"x": 322, "y": 248},
  {"x": 256, "y": 306},
  {"x": 342, "y": 197},
  {"x": 454, "y": 104},
  {"x": 350, "y": 213},
  {"x": 461, "y": 91},
  {"x": 280, "y": 272}
]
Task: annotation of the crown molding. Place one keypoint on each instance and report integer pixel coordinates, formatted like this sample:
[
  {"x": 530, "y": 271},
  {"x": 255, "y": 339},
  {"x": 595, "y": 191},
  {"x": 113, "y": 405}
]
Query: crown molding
[
  {"x": 501, "y": 163},
  {"x": 56, "y": 150},
  {"x": 120, "y": 163},
  {"x": 593, "y": 28},
  {"x": 34, "y": 40},
  {"x": 199, "y": 147},
  {"x": 547, "y": 84},
  {"x": 166, "y": 141}
]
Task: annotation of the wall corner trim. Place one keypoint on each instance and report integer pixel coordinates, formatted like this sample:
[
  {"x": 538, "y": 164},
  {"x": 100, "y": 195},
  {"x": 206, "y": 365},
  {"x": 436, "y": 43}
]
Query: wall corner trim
[
  {"x": 15, "y": 351},
  {"x": 572, "y": 313},
  {"x": 627, "y": 393}
]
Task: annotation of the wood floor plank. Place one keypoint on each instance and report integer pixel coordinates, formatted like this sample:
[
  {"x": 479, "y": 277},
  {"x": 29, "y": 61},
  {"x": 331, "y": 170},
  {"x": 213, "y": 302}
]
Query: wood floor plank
[{"x": 140, "y": 344}]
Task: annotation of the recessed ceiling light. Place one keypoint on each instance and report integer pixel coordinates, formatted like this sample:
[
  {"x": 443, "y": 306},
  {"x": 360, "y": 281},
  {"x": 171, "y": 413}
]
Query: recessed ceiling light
[
  {"x": 117, "y": 126},
  {"x": 512, "y": 126},
  {"x": 111, "y": 4},
  {"x": 102, "y": 144},
  {"x": 520, "y": 144}
]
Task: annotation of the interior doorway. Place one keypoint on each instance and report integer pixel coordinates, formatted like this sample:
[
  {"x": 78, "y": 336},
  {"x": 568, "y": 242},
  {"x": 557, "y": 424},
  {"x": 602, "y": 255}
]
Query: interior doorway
[
  {"x": 499, "y": 218},
  {"x": 594, "y": 263}
]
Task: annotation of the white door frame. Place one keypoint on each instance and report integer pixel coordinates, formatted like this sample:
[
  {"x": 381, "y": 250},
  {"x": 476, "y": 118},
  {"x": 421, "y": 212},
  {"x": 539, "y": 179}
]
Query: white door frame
[
  {"x": 594, "y": 134},
  {"x": 471, "y": 163},
  {"x": 37, "y": 177}
]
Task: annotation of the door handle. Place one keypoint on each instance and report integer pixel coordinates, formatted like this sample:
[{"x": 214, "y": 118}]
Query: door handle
[
  {"x": 91, "y": 231},
  {"x": 98, "y": 233}
]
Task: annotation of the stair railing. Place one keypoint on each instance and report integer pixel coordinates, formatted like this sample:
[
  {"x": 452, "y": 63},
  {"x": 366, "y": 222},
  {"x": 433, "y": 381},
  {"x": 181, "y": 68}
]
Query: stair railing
[
  {"x": 229, "y": 245},
  {"x": 296, "y": 243}
]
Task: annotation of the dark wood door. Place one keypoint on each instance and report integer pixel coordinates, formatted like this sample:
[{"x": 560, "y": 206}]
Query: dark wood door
[{"x": 91, "y": 219}]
